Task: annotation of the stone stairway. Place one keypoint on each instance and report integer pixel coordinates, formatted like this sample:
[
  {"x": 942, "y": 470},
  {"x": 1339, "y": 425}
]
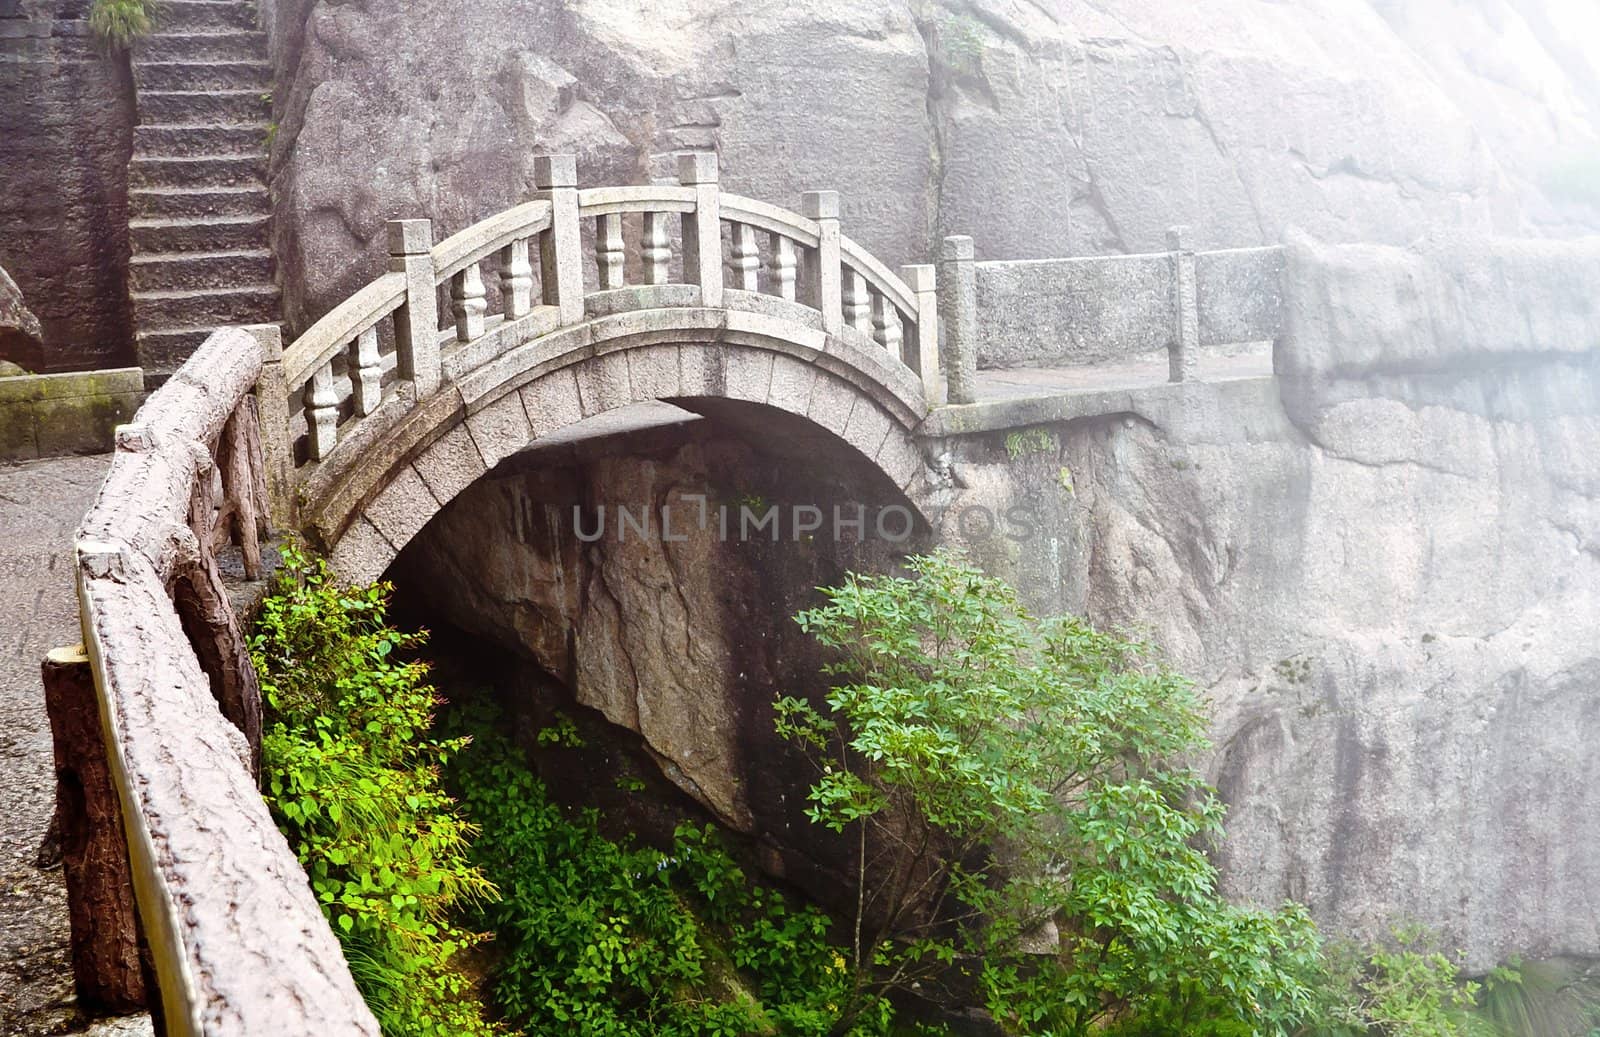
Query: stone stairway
[{"x": 197, "y": 194}]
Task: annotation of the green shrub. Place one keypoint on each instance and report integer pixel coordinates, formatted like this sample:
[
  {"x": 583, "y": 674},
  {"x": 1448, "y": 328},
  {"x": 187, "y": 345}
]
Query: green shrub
[
  {"x": 616, "y": 940},
  {"x": 352, "y": 777},
  {"x": 1016, "y": 795},
  {"x": 118, "y": 23}
]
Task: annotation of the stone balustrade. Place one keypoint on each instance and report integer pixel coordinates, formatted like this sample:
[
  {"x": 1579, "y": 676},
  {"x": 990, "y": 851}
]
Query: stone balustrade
[{"x": 692, "y": 245}]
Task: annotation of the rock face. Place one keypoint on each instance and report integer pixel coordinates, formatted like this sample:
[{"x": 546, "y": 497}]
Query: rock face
[
  {"x": 1072, "y": 128},
  {"x": 20, "y": 333},
  {"x": 1385, "y": 570}
]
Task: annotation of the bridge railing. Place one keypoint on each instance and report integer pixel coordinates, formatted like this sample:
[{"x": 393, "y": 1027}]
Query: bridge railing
[
  {"x": 239, "y": 944},
  {"x": 648, "y": 246}
]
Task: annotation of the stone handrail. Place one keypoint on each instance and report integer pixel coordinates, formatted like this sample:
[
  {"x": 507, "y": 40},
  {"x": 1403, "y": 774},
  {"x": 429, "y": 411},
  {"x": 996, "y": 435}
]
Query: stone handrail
[
  {"x": 1097, "y": 309},
  {"x": 240, "y": 946},
  {"x": 384, "y": 344}
]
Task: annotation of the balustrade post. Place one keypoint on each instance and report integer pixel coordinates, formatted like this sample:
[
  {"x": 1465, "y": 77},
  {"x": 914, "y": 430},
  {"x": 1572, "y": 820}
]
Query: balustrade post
[
  {"x": 1183, "y": 354},
  {"x": 958, "y": 313},
  {"x": 856, "y": 301},
  {"x": 560, "y": 248},
  {"x": 782, "y": 267},
  {"x": 702, "y": 229},
  {"x": 656, "y": 249},
  {"x": 746, "y": 258},
  {"x": 272, "y": 416},
  {"x": 366, "y": 373},
  {"x": 416, "y": 323},
  {"x": 468, "y": 303},
  {"x": 516, "y": 279},
  {"x": 322, "y": 413},
  {"x": 823, "y": 276},
  {"x": 920, "y": 279},
  {"x": 608, "y": 250}
]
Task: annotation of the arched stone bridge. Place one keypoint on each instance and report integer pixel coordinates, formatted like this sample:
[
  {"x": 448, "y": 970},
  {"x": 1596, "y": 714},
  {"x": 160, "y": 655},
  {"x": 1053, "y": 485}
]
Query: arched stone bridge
[
  {"x": 398, "y": 416},
  {"x": 364, "y": 427}
]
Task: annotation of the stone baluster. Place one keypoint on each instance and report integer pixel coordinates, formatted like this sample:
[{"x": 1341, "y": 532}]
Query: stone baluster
[
  {"x": 322, "y": 413},
  {"x": 886, "y": 329},
  {"x": 746, "y": 257},
  {"x": 608, "y": 250},
  {"x": 1183, "y": 354},
  {"x": 416, "y": 323},
  {"x": 702, "y": 229},
  {"x": 656, "y": 248},
  {"x": 782, "y": 267},
  {"x": 366, "y": 373},
  {"x": 925, "y": 331},
  {"x": 856, "y": 301},
  {"x": 958, "y": 312},
  {"x": 467, "y": 303},
  {"x": 516, "y": 279},
  {"x": 272, "y": 415},
  {"x": 822, "y": 263},
  {"x": 561, "y": 247}
]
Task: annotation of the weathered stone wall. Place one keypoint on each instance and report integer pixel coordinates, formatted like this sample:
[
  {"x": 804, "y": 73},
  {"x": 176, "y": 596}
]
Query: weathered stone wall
[
  {"x": 1071, "y": 129},
  {"x": 66, "y": 132}
]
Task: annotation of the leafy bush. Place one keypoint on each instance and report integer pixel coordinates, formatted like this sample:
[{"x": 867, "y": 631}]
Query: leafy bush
[
  {"x": 1019, "y": 806},
  {"x": 118, "y": 23},
  {"x": 352, "y": 777},
  {"x": 616, "y": 940}
]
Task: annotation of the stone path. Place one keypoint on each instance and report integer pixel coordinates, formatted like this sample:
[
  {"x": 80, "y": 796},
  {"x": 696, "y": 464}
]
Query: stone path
[{"x": 40, "y": 505}]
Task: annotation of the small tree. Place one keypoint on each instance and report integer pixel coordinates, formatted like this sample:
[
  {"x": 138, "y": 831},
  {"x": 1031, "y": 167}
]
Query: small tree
[{"x": 1022, "y": 818}]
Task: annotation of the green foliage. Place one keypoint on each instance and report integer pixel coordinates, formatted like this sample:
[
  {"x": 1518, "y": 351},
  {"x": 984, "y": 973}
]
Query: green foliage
[
  {"x": 1555, "y": 998},
  {"x": 1015, "y": 790},
  {"x": 118, "y": 23},
  {"x": 616, "y": 940},
  {"x": 352, "y": 777},
  {"x": 1030, "y": 441}
]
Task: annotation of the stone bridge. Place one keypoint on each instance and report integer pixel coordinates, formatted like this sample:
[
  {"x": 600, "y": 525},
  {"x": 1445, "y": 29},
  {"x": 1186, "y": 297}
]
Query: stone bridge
[{"x": 373, "y": 419}]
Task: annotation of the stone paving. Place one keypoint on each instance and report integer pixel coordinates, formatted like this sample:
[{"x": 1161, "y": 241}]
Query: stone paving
[{"x": 40, "y": 505}]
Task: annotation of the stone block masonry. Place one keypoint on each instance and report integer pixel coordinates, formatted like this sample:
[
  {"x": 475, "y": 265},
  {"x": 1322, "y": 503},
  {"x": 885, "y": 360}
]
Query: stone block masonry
[
  {"x": 197, "y": 182},
  {"x": 66, "y": 127}
]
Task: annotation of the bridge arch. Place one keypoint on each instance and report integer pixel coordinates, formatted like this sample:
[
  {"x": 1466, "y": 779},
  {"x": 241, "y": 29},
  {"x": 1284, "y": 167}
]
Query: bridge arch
[
  {"x": 376, "y": 417},
  {"x": 388, "y": 495}
]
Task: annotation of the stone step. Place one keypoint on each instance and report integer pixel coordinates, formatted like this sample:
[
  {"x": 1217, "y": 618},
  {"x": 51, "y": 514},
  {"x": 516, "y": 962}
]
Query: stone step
[
  {"x": 203, "y": 75},
  {"x": 198, "y": 201},
  {"x": 196, "y": 170},
  {"x": 197, "y": 233},
  {"x": 191, "y": 14},
  {"x": 221, "y": 45},
  {"x": 201, "y": 139},
  {"x": 161, "y": 352},
  {"x": 154, "y": 271},
  {"x": 185, "y": 107},
  {"x": 192, "y": 308}
]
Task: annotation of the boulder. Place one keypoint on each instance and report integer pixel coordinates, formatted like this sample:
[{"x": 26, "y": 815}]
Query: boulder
[{"x": 21, "y": 336}]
